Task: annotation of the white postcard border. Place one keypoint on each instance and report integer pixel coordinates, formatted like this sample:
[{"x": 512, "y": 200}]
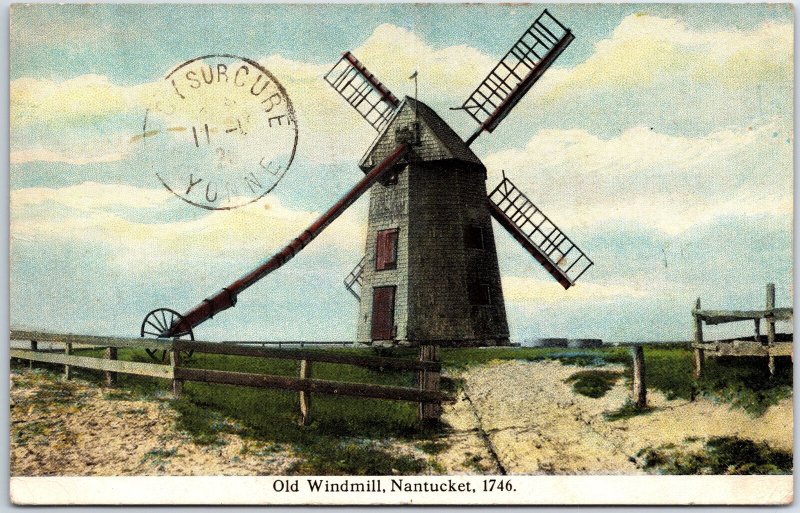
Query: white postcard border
[{"x": 540, "y": 490}]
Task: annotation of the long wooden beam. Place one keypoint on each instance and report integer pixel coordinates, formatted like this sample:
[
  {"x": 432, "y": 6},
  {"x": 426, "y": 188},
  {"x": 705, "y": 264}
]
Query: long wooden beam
[
  {"x": 141, "y": 369},
  {"x": 318, "y": 386},
  {"x": 724, "y": 316},
  {"x": 745, "y": 348}
]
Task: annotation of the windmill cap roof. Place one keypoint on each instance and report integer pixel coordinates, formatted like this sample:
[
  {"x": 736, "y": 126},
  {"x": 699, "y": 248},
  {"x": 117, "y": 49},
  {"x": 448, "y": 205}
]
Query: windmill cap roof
[{"x": 437, "y": 140}]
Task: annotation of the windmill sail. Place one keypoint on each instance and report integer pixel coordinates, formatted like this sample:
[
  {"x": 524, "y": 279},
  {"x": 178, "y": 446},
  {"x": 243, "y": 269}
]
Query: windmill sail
[
  {"x": 517, "y": 71},
  {"x": 353, "y": 281},
  {"x": 362, "y": 90},
  {"x": 538, "y": 234}
]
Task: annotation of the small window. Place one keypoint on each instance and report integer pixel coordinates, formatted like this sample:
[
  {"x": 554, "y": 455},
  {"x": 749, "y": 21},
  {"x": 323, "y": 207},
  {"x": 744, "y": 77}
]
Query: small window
[
  {"x": 391, "y": 177},
  {"x": 473, "y": 236},
  {"x": 479, "y": 294},
  {"x": 386, "y": 250}
]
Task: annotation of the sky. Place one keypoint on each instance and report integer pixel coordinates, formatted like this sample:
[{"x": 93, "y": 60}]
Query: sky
[{"x": 660, "y": 142}]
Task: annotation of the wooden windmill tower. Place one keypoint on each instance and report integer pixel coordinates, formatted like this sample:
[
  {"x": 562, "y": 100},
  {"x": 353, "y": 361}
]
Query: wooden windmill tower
[{"x": 430, "y": 271}]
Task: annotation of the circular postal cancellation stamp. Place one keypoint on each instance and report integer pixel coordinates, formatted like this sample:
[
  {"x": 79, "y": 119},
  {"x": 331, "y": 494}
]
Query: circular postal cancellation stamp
[{"x": 219, "y": 132}]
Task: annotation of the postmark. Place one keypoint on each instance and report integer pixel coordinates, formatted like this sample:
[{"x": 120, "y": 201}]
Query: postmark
[{"x": 220, "y": 132}]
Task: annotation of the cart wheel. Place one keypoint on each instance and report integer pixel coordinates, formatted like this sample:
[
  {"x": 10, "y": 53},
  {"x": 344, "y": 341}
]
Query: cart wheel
[{"x": 159, "y": 321}]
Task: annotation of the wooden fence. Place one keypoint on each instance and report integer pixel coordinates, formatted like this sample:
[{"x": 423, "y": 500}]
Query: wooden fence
[
  {"x": 427, "y": 368},
  {"x": 758, "y": 345},
  {"x": 280, "y": 344}
]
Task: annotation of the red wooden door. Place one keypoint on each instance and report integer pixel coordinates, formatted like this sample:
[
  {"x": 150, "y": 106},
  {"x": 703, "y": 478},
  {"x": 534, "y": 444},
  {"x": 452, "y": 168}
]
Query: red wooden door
[{"x": 383, "y": 313}]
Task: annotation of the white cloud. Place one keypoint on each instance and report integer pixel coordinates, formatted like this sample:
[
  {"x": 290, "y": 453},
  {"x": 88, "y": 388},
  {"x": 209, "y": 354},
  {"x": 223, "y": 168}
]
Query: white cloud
[
  {"x": 253, "y": 230},
  {"x": 518, "y": 289},
  {"x": 46, "y": 155},
  {"x": 78, "y": 100},
  {"x": 646, "y": 179},
  {"x": 393, "y": 53},
  {"x": 645, "y": 49},
  {"x": 90, "y": 196}
]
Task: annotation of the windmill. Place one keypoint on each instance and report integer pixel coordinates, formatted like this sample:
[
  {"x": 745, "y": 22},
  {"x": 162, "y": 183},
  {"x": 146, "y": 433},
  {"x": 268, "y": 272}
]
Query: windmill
[{"x": 430, "y": 271}]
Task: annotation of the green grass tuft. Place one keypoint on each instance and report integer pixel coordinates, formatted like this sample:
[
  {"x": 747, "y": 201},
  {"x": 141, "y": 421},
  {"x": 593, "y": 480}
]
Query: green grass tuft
[
  {"x": 432, "y": 446},
  {"x": 593, "y": 383},
  {"x": 326, "y": 456},
  {"x": 626, "y": 411},
  {"x": 461, "y": 359},
  {"x": 719, "y": 456}
]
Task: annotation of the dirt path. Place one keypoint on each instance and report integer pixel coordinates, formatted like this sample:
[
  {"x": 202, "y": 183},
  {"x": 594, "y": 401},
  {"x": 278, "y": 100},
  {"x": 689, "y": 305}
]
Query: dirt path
[{"x": 538, "y": 425}]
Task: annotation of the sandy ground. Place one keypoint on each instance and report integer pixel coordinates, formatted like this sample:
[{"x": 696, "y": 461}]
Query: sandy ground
[
  {"x": 75, "y": 428},
  {"x": 543, "y": 427},
  {"x": 518, "y": 417}
]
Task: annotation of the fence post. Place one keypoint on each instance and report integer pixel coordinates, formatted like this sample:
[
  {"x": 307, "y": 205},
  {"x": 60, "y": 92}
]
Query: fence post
[
  {"x": 305, "y": 397},
  {"x": 429, "y": 380},
  {"x": 639, "y": 384},
  {"x": 67, "y": 352},
  {"x": 699, "y": 354},
  {"x": 34, "y": 347},
  {"x": 175, "y": 362},
  {"x": 771, "y": 325},
  {"x": 111, "y": 377}
]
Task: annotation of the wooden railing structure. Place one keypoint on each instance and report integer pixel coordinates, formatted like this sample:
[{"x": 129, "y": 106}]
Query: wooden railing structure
[
  {"x": 291, "y": 343},
  {"x": 427, "y": 368},
  {"x": 759, "y": 345}
]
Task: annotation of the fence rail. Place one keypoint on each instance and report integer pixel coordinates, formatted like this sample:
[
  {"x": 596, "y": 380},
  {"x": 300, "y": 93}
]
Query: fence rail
[
  {"x": 292, "y": 343},
  {"x": 374, "y": 362},
  {"x": 141, "y": 369},
  {"x": 91, "y": 340},
  {"x": 759, "y": 346},
  {"x": 427, "y": 368}
]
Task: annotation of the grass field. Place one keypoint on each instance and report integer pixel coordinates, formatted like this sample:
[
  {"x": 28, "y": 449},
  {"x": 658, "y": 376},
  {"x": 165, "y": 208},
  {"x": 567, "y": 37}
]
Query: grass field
[
  {"x": 743, "y": 382},
  {"x": 345, "y": 434}
]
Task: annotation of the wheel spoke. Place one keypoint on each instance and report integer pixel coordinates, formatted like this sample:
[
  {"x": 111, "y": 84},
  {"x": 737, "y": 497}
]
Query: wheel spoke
[{"x": 156, "y": 321}]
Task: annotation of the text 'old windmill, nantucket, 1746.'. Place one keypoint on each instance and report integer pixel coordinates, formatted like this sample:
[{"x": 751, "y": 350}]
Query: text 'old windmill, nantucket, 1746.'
[{"x": 430, "y": 273}]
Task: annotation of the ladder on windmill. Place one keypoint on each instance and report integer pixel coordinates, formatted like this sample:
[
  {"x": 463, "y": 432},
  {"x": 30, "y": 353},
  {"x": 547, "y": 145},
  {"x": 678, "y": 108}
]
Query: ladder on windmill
[{"x": 353, "y": 280}]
